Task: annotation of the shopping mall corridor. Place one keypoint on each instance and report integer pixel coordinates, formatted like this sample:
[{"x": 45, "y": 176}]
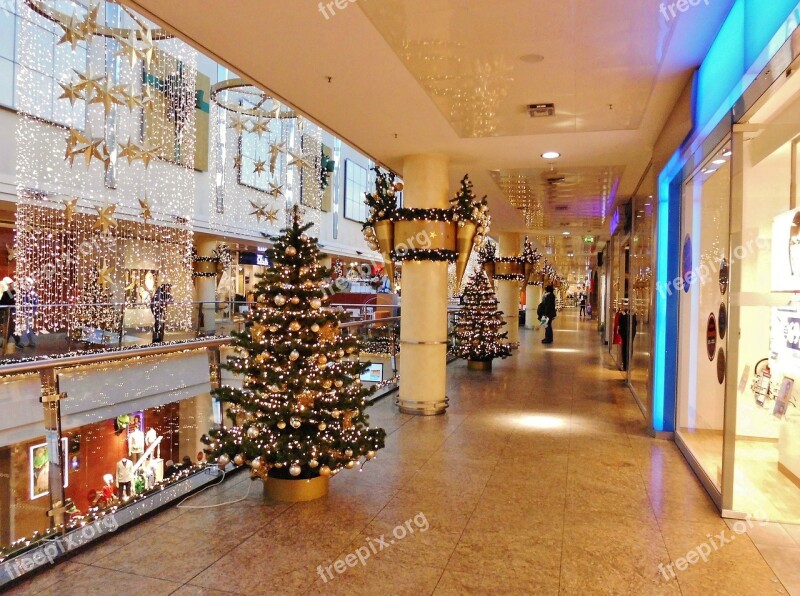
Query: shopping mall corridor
[{"x": 540, "y": 479}]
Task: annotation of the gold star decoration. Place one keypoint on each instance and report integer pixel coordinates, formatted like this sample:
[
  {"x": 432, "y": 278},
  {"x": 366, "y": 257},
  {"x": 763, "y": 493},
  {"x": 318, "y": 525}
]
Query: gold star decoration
[
  {"x": 109, "y": 156},
  {"x": 128, "y": 47},
  {"x": 88, "y": 26},
  {"x": 299, "y": 160},
  {"x": 144, "y": 204},
  {"x": 69, "y": 208},
  {"x": 149, "y": 50},
  {"x": 106, "y": 95},
  {"x": 271, "y": 216},
  {"x": 12, "y": 253},
  {"x": 87, "y": 81},
  {"x": 238, "y": 123},
  {"x": 259, "y": 126},
  {"x": 74, "y": 139},
  {"x": 90, "y": 150},
  {"x": 237, "y": 162},
  {"x": 130, "y": 151},
  {"x": 274, "y": 112},
  {"x": 72, "y": 32},
  {"x": 131, "y": 98},
  {"x": 70, "y": 92},
  {"x": 274, "y": 153},
  {"x": 259, "y": 166},
  {"x": 104, "y": 275},
  {"x": 149, "y": 153},
  {"x": 260, "y": 210},
  {"x": 148, "y": 100},
  {"x": 105, "y": 219},
  {"x": 433, "y": 234},
  {"x": 275, "y": 190}
]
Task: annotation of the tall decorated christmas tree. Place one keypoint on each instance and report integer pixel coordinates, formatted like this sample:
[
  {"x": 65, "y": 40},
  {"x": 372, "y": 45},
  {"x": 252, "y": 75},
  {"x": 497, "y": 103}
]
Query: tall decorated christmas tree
[
  {"x": 300, "y": 412},
  {"x": 479, "y": 338}
]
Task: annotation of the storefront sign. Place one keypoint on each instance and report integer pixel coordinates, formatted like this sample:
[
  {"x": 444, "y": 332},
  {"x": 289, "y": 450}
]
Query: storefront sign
[
  {"x": 786, "y": 252},
  {"x": 252, "y": 258},
  {"x": 722, "y": 321},
  {"x": 711, "y": 336}
]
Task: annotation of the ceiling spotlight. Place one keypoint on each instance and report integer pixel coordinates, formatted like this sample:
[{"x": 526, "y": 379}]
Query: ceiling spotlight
[
  {"x": 727, "y": 153},
  {"x": 551, "y": 155},
  {"x": 719, "y": 162},
  {"x": 566, "y": 232}
]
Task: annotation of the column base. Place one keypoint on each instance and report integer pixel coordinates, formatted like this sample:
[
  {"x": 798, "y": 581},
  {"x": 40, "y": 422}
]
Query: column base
[{"x": 423, "y": 408}]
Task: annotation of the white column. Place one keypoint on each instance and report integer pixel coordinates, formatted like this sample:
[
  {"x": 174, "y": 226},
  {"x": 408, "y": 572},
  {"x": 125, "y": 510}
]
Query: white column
[
  {"x": 508, "y": 291},
  {"x": 532, "y": 299},
  {"x": 423, "y": 327}
]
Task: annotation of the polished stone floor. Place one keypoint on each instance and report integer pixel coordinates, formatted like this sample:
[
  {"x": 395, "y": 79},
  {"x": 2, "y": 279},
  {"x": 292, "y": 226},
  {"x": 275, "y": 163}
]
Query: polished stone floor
[{"x": 540, "y": 479}]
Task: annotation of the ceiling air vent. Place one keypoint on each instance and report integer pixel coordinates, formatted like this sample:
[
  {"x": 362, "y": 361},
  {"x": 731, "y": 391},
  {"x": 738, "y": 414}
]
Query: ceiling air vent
[{"x": 541, "y": 110}]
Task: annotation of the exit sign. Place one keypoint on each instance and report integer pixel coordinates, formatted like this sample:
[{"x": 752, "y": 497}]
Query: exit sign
[{"x": 588, "y": 239}]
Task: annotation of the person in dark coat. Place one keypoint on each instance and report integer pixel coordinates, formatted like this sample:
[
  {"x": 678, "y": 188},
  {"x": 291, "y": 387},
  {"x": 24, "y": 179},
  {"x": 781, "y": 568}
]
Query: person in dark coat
[
  {"x": 9, "y": 301},
  {"x": 549, "y": 311},
  {"x": 158, "y": 306}
]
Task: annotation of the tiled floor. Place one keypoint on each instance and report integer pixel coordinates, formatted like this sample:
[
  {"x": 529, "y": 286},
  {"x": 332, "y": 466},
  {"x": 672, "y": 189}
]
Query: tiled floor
[{"x": 540, "y": 479}]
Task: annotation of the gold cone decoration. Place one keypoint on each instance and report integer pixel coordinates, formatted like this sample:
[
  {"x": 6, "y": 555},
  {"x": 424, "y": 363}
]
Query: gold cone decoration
[
  {"x": 489, "y": 269},
  {"x": 465, "y": 237},
  {"x": 384, "y": 231}
]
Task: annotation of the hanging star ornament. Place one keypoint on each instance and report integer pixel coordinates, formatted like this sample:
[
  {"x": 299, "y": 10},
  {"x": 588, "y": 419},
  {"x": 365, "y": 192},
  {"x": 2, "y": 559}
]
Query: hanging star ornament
[
  {"x": 69, "y": 208},
  {"x": 129, "y": 47},
  {"x": 131, "y": 98},
  {"x": 238, "y": 123},
  {"x": 70, "y": 92},
  {"x": 274, "y": 153},
  {"x": 259, "y": 126},
  {"x": 105, "y": 219},
  {"x": 73, "y": 34},
  {"x": 259, "y": 166},
  {"x": 298, "y": 160},
  {"x": 88, "y": 26},
  {"x": 149, "y": 153},
  {"x": 275, "y": 190},
  {"x": 90, "y": 148},
  {"x": 260, "y": 210},
  {"x": 87, "y": 81},
  {"x": 144, "y": 204},
  {"x": 12, "y": 253},
  {"x": 104, "y": 275},
  {"x": 148, "y": 49},
  {"x": 130, "y": 151},
  {"x": 75, "y": 138},
  {"x": 237, "y": 162},
  {"x": 271, "y": 216},
  {"x": 106, "y": 94}
]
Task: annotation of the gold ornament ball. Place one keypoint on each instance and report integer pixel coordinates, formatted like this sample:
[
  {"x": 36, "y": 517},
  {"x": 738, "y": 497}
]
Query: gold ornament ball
[
  {"x": 316, "y": 303},
  {"x": 291, "y": 251},
  {"x": 279, "y": 465},
  {"x": 324, "y": 471},
  {"x": 280, "y": 299},
  {"x": 295, "y": 326},
  {"x": 336, "y": 413},
  {"x": 223, "y": 460},
  {"x": 339, "y": 383},
  {"x": 281, "y": 425},
  {"x": 315, "y": 328},
  {"x": 273, "y": 328},
  {"x": 295, "y": 470},
  {"x": 295, "y": 300},
  {"x": 398, "y": 186},
  {"x": 348, "y": 452},
  {"x": 370, "y": 455},
  {"x": 295, "y": 422},
  {"x": 304, "y": 237},
  {"x": 322, "y": 426},
  {"x": 256, "y": 463},
  {"x": 239, "y": 460},
  {"x": 350, "y": 465},
  {"x": 313, "y": 464},
  {"x": 323, "y": 359},
  {"x": 340, "y": 353},
  {"x": 294, "y": 355},
  {"x": 252, "y": 432},
  {"x": 326, "y": 384},
  {"x": 350, "y": 350}
]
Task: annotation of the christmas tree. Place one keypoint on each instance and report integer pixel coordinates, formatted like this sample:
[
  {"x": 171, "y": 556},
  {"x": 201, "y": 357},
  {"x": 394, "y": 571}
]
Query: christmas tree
[
  {"x": 478, "y": 335},
  {"x": 95, "y": 309},
  {"x": 300, "y": 411}
]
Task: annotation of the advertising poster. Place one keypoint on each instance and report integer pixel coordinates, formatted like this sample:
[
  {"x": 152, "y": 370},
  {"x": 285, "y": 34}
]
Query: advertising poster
[
  {"x": 374, "y": 374},
  {"x": 39, "y": 462}
]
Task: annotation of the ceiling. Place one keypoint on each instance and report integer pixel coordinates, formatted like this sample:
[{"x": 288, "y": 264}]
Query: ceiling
[{"x": 400, "y": 77}]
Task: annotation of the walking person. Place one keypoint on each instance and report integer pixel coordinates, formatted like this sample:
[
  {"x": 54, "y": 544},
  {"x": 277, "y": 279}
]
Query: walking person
[
  {"x": 583, "y": 305},
  {"x": 158, "y": 306},
  {"x": 548, "y": 307},
  {"x": 8, "y": 302},
  {"x": 30, "y": 306}
]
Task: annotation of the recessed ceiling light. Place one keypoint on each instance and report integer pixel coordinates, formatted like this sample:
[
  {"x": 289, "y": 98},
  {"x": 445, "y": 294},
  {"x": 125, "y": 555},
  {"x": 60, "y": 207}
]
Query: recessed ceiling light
[
  {"x": 566, "y": 232},
  {"x": 711, "y": 170},
  {"x": 551, "y": 155},
  {"x": 727, "y": 153},
  {"x": 531, "y": 58},
  {"x": 719, "y": 162}
]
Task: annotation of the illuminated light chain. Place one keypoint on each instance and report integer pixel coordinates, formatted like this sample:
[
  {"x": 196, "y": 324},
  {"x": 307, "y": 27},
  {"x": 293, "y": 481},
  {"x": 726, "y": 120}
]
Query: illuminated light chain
[
  {"x": 105, "y": 172},
  {"x": 478, "y": 324}
]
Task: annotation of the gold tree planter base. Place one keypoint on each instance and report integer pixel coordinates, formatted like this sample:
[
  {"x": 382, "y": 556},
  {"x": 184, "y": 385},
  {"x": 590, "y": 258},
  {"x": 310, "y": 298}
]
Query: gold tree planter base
[
  {"x": 479, "y": 365},
  {"x": 296, "y": 491}
]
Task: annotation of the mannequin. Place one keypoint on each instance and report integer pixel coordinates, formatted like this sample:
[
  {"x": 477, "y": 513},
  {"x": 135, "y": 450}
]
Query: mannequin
[
  {"x": 124, "y": 477},
  {"x": 135, "y": 441},
  {"x": 150, "y": 437}
]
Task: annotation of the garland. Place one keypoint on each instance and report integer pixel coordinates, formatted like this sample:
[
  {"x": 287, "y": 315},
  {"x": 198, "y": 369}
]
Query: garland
[{"x": 424, "y": 254}]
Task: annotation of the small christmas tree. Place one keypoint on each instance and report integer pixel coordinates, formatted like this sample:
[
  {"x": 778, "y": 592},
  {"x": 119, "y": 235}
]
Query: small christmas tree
[
  {"x": 478, "y": 335},
  {"x": 300, "y": 412}
]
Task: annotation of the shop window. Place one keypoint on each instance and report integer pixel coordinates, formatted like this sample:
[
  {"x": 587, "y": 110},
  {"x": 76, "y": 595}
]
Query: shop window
[{"x": 355, "y": 187}]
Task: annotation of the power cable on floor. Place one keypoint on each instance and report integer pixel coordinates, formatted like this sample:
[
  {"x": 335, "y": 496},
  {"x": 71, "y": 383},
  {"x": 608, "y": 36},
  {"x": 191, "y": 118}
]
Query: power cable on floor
[{"x": 224, "y": 473}]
